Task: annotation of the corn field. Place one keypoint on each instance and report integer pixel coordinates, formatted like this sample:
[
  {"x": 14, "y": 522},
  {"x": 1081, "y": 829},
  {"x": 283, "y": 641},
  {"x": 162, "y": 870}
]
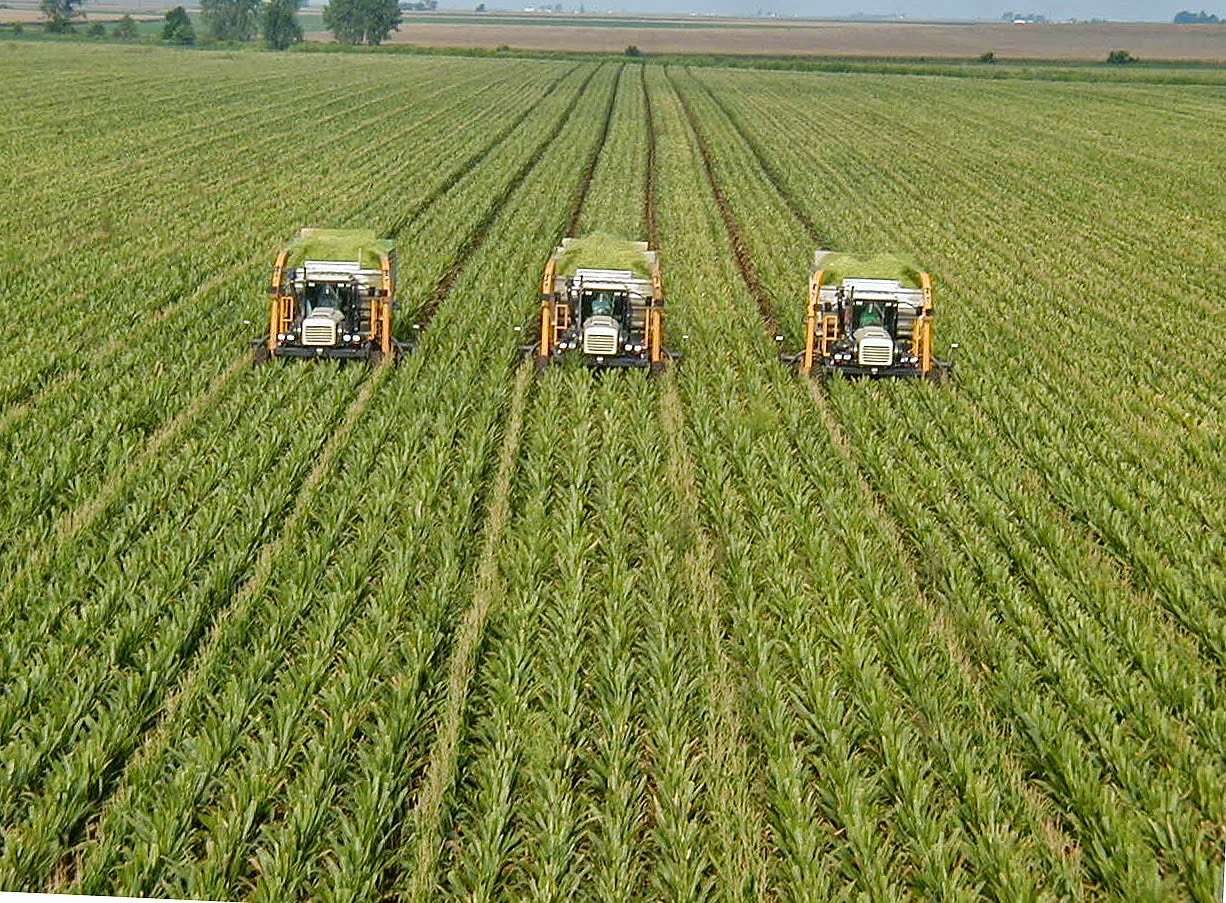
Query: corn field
[{"x": 454, "y": 629}]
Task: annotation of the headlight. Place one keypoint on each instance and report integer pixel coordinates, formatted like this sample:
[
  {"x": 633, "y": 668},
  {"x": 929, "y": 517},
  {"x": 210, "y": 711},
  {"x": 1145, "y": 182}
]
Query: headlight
[{"x": 289, "y": 337}]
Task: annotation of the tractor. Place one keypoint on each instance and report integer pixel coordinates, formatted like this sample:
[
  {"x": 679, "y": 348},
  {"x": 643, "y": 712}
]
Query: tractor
[
  {"x": 331, "y": 297},
  {"x": 602, "y": 302},
  {"x": 868, "y": 318}
]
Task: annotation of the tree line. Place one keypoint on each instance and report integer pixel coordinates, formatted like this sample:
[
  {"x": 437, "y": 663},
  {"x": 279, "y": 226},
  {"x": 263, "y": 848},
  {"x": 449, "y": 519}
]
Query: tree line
[{"x": 240, "y": 21}]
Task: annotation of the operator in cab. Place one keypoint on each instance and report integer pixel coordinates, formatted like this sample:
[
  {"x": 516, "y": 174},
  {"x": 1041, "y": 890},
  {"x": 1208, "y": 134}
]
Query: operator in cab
[{"x": 602, "y": 304}]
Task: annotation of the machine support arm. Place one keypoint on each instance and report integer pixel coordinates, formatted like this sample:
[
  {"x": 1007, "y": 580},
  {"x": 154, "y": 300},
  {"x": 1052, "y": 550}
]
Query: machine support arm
[
  {"x": 276, "y": 304},
  {"x": 923, "y": 329},
  {"x": 545, "y": 346},
  {"x": 655, "y": 318},
  {"x": 811, "y": 316},
  {"x": 385, "y": 308}
]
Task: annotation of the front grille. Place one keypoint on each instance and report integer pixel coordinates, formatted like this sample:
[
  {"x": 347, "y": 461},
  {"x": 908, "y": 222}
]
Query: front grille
[
  {"x": 318, "y": 334},
  {"x": 876, "y": 353},
  {"x": 601, "y": 343}
]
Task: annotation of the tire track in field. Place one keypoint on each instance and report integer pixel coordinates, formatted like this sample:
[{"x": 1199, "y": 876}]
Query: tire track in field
[
  {"x": 649, "y": 192},
  {"x": 740, "y": 248},
  {"x": 428, "y": 810},
  {"x": 1038, "y": 806},
  {"x": 740, "y": 824},
  {"x": 117, "y": 343},
  {"x": 585, "y": 184}
]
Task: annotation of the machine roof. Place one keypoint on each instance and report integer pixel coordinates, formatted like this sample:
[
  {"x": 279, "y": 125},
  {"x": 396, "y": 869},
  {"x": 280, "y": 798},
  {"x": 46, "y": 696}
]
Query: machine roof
[{"x": 361, "y": 246}]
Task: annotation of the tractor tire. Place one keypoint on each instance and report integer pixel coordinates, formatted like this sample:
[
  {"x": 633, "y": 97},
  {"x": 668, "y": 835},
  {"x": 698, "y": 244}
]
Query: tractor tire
[{"x": 260, "y": 355}]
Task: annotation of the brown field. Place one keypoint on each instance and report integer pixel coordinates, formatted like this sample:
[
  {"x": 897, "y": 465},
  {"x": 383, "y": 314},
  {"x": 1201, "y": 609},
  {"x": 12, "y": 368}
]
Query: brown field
[
  {"x": 1089, "y": 41},
  {"x": 28, "y": 15}
]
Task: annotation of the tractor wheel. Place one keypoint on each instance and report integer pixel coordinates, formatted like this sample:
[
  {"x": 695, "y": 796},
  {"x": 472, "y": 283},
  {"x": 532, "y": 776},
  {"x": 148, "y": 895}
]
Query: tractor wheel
[
  {"x": 260, "y": 355},
  {"x": 542, "y": 363}
]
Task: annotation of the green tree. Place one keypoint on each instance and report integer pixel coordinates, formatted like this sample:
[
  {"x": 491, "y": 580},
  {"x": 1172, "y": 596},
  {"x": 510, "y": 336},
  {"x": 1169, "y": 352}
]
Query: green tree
[
  {"x": 361, "y": 21},
  {"x": 125, "y": 29},
  {"x": 96, "y": 30},
  {"x": 1120, "y": 57},
  {"x": 178, "y": 28},
  {"x": 59, "y": 14},
  {"x": 231, "y": 20},
  {"x": 281, "y": 28}
]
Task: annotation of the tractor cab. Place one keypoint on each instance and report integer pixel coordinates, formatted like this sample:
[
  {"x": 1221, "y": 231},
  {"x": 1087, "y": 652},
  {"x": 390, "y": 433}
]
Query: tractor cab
[
  {"x": 604, "y": 302},
  {"x": 873, "y": 313},
  {"x": 877, "y": 319},
  {"x": 340, "y": 295}
]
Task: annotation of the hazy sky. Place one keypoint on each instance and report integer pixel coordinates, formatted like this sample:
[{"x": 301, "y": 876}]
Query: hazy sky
[{"x": 1120, "y": 10}]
